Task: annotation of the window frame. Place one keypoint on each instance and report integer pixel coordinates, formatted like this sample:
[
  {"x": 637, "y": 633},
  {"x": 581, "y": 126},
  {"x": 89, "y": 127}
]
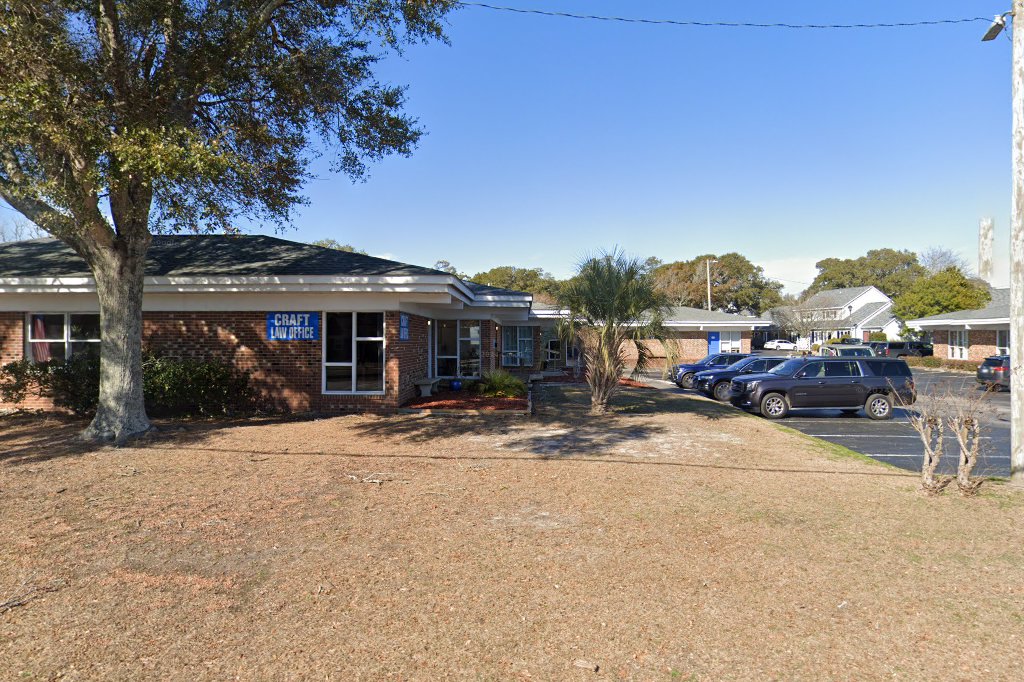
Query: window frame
[
  {"x": 66, "y": 340},
  {"x": 383, "y": 338},
  {"x": 518, "y": 354},
  {"x": 460, "y": 338},
  {"x": 734, "y": 343},
  {"x": 1003, "y": 349},
  {"x": 960, "y": 350}
]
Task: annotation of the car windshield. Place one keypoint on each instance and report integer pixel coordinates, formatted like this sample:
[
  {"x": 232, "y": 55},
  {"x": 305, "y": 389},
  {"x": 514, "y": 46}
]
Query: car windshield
[
  {"x": 706, "y": 359},
  {"x": 788, "y": 368},
  {"x": 740, "y": 364}
]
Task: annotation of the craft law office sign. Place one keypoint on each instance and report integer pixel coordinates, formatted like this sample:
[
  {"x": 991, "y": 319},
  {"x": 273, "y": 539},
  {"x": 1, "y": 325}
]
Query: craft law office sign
[{"x": 293, "y": 326}]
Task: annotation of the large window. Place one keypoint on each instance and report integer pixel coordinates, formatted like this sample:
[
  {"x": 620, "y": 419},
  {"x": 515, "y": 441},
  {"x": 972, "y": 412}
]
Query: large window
[
  {"x": 959, "y": 344},
  {"x": 517, "y": 346},
  {"x": 59, "y": 336},
  {"x": 458, "y": 348},
  {"x": 730, "y": 342},
  {"x": 1002, "y": 342},
  {"x": 353, "y": 353}
]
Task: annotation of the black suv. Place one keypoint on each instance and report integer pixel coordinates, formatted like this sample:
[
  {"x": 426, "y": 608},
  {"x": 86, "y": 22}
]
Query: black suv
[
  {"x": 995, "y": 372},
  {"x": 714, "y": 383},
  {"x": 902, "y": 349},
  {"x": 683, "y": 374},
  {"x": 845, "y": 383}
]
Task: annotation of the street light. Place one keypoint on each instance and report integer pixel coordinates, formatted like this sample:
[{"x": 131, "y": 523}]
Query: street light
[
  {"x": 1016, "y": 236},
  {"x": 707, "y": 264}
]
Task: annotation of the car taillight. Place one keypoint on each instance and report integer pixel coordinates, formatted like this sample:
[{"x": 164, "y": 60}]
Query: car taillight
[{"x": 999, "y": 369}]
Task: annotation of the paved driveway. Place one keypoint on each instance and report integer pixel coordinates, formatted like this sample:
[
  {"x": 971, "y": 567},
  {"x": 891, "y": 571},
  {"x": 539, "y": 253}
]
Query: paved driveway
[{"x": 895, "y": 441}]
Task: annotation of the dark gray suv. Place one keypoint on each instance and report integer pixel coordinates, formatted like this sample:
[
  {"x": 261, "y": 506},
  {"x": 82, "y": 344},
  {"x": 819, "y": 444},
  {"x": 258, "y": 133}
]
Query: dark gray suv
[{"x": 848, "y": 384}]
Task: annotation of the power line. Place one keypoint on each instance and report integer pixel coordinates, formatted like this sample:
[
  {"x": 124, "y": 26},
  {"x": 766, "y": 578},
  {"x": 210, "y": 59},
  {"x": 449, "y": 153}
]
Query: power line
[{"x": 723, "y": 24}]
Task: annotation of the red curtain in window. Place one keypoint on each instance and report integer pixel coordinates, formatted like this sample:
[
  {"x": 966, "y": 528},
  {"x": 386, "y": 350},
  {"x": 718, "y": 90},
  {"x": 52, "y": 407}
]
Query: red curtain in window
[{"x": 40, "y": 351}]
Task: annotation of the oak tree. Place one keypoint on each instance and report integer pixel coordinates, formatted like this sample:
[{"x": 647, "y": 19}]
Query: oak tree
[{"x": 124, "y": 118}]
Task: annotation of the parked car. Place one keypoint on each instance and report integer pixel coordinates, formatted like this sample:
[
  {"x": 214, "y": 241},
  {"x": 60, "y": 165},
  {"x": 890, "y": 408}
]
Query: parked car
[
  {"x": 847, "y": 351},
  {"x": 848, "y": 384},
  {"x": 683, "y": 374},
  {"x": 714, "y": 383},
  {"x": 994, "y": 372},
  {"x": 779, "y": 344},
  {"x": 902, "y": 349}
]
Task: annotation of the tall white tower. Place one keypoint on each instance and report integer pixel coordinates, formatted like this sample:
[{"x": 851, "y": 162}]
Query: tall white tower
[{"x": 986, "y": 236}]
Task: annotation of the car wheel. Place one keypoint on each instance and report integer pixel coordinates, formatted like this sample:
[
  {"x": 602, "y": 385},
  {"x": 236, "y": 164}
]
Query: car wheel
[
  {"x": 721, "y": 391},
  {"x": 686, "y": 381},
  {"x": 774, "y": 406},
  {"x": 879, "y": 406}
]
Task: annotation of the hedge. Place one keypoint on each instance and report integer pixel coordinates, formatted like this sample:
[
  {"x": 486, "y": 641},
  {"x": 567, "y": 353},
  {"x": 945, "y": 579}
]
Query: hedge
[
  {"x": 171, "y": 386},
  {"x": 943, "y": 363}
]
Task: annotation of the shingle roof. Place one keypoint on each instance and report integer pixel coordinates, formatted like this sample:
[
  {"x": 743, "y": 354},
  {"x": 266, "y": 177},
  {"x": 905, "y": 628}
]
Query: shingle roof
[
  {"x": 997, "y": 308},
  {"x": 866, "y": 312},
  {"x": 833, "y": 298},
  {"x": 208, "y": 256},
  {"x": 488, "y": 290},
  {"x": 687, "y": 314},
  {"x": 879, "y": 319}
]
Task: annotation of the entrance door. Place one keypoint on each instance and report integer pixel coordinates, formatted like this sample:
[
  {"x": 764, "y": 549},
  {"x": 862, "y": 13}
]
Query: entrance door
[{"x": 714, "y": 343}]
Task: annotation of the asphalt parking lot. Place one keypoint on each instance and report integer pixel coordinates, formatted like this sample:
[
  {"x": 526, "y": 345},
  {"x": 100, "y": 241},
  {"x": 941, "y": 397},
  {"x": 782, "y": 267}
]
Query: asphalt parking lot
[{"x": 894, "y": 441}]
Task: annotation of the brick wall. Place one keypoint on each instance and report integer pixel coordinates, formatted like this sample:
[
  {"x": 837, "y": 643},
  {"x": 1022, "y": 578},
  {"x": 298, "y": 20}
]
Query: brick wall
[
  {"x": 12, "y": 349},
  {"x": 286, "y": 374},
  {"x": 982, "y": 344}
]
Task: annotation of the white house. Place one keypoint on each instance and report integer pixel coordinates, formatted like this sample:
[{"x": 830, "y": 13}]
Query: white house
[{"x": 835, "y": 313}]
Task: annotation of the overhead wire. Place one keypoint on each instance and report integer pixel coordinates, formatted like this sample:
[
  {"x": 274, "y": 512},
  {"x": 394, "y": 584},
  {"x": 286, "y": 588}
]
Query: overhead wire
[{"x": 722, "y": 24}]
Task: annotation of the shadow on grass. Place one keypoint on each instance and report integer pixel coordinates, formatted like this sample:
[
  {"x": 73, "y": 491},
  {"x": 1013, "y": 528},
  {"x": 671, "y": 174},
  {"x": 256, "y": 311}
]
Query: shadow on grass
[
  {"x": 562, "y": 426},
  {"x": 33, "y": 438}
]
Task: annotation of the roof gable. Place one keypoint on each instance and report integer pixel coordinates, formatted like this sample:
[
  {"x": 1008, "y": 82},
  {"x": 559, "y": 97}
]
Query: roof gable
[{"x": 835, "y": 298}]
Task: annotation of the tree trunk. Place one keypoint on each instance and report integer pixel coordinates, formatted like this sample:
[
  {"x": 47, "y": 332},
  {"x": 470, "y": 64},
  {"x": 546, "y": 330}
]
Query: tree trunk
[{"x": 119, "y": 271}]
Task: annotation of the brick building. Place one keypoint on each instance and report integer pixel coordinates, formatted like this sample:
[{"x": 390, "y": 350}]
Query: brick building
[
  {"x": 971, "y": 334},
  {"x": 315, "y": 329},
  {"x": 692, "y": 333}
]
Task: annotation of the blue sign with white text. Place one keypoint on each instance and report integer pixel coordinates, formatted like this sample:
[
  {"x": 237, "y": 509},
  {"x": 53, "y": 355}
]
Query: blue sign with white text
[{"x": 293, "y": 326}]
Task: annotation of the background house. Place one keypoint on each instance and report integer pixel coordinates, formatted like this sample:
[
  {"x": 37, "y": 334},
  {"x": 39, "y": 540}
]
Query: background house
[
  {"x": 836, "y": 313},
  {"x": 970, "y": 334}
]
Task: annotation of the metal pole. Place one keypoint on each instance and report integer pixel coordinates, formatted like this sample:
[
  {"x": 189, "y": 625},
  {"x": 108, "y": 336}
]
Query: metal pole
[
  {"x": 1017, "y": 253},
  {"x": 707, "y": 263}
]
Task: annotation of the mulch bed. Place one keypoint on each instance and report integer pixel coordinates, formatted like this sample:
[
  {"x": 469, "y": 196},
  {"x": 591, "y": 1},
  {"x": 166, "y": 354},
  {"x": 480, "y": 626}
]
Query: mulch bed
[{"x": 463, "y": 400}]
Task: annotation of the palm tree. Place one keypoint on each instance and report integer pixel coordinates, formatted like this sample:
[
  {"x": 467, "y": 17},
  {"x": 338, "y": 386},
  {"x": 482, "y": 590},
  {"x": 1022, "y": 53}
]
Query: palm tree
[{"x": 612, "y": 302}]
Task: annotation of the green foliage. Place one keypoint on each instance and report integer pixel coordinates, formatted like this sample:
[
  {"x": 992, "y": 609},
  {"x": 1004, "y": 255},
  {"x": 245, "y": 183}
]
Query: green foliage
[
  {"x": 194, "y": 387},
  {"x": 337, "y": 246},
  {"x": 892, "y": 271},
  {"x": 171, "y": 386},
  {"x": 877, "y": 336},
  {"x": 933, "y": 362},
  {"x": 943, "y": 292},
  {"x": 613, "y": 301},
  {"x": 737, "y": 285},
  {"x": 532, "y": 280},
  {"x": 815, "y": 347},
  {"x": 500, "y": 384},
  {"x": 838, "y": 340},
  {"x": 204, "y": 115}
]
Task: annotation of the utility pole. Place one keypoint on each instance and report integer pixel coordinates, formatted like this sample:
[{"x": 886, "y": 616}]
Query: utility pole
[
  {"x": 1016, "y": 239},
  {"x": 1017, "y": 254}
]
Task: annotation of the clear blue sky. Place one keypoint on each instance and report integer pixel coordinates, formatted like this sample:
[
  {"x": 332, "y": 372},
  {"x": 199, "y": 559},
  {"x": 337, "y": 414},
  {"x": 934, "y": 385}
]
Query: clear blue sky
[{"x": 549, "y": 138}]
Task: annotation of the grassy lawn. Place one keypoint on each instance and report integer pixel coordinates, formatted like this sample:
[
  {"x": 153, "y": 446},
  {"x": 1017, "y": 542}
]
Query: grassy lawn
[{"x": 675, "y": 539}]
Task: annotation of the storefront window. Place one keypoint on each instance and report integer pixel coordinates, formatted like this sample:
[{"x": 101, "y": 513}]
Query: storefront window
[
  {"x": 1002, "y": 342},
  {"x": 959, "y": 344},
  {"x": 59, "y": 336},
  {"x": 458, "y": 348},
  {"x": 353, "y": 353}
]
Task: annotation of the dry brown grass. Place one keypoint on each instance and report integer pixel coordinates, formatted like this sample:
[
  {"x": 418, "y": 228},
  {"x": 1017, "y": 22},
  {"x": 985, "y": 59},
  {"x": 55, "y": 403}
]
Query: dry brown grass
[{"x": 673, "y": 539}]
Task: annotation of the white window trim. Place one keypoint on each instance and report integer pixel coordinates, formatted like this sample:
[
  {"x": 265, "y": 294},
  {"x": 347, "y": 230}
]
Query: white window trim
[
  {"x": 1003, "y": 349},
  {"x": 459, "y": 338},
  {"x": 67, "y": 340},
  {"x": 519, "y": 339},
  {"x": 735, "y": 342},
  {"x": 960, "y": 350},
  {"x": 323, "y": 352}
]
